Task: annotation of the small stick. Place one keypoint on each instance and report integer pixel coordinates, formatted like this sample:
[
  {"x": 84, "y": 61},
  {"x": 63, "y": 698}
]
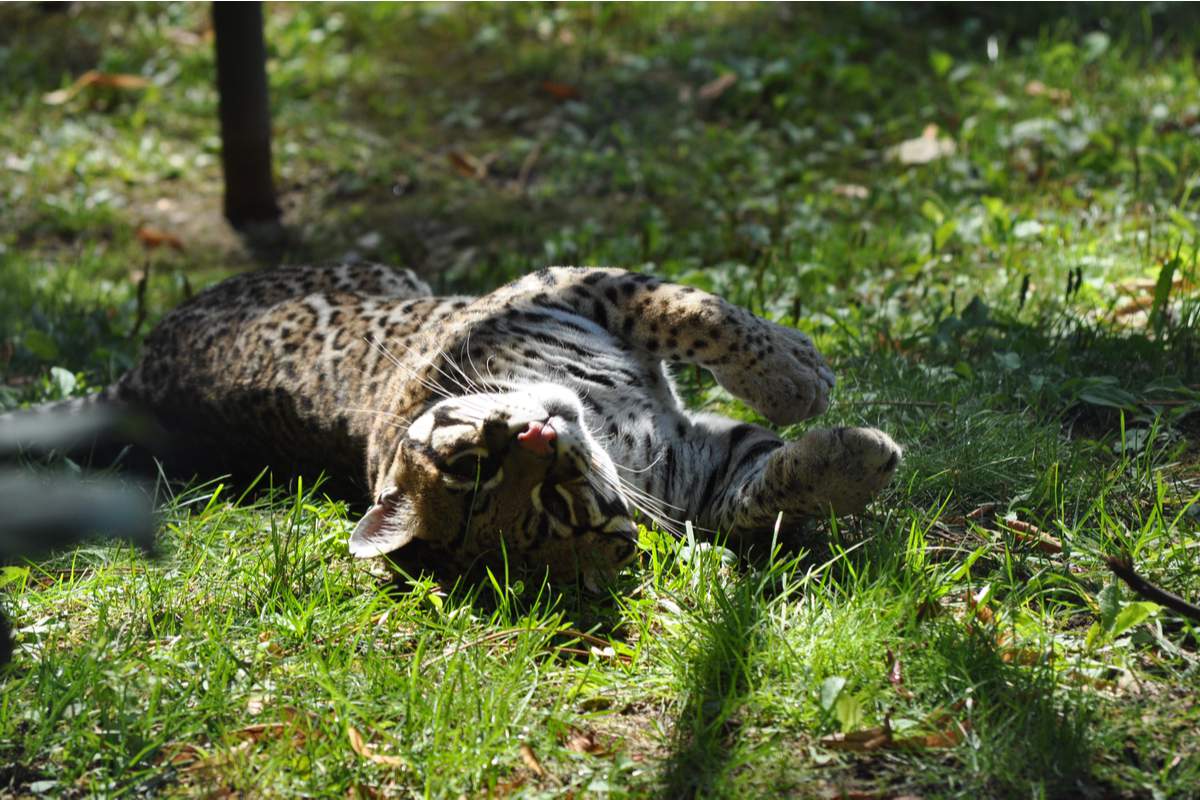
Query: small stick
[
  {"x": 141, "y": 301},
  {"x": 1123, "y": 569},
  {"x": 531, "y": 158}
]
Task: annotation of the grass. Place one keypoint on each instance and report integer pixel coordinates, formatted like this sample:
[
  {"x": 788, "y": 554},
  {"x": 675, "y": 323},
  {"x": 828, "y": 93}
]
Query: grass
[{"x": 1020, "y": 313}]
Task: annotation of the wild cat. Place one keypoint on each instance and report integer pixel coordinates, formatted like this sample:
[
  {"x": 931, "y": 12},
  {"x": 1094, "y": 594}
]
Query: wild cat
[{"x": 530, "y": 424}]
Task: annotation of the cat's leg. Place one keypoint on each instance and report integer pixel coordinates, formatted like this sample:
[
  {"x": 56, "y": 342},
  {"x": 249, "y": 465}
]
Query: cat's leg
[
  {"x": 834, "y": 470},
  {"x": 774, "y": 369}
]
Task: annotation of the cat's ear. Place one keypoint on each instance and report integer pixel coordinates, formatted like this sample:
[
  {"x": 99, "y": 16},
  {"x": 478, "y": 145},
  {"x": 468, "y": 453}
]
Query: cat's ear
[{"x": 385, "y": 528}]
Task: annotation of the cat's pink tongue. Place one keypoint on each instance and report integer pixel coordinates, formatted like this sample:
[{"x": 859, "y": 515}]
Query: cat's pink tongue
[{"x": 538, "y": 438}]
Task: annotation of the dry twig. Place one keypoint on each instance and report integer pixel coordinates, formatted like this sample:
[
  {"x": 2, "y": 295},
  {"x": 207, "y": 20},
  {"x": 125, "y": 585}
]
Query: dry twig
[{"x": 1123, "y": 569}]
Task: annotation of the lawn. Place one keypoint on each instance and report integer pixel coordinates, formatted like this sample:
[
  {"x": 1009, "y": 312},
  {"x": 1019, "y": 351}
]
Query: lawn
[{"x": 986, "y": 218}]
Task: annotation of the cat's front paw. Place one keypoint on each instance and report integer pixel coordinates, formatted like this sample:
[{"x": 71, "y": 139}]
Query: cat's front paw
[{"x": 779, "y": 373}]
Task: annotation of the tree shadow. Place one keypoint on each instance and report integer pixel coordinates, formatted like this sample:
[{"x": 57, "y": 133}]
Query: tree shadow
[
  {"x": 716, "y": 676},
  {"x": 1026, "y": 731}
]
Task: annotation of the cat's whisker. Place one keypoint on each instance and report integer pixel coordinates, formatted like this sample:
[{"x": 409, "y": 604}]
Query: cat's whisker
[
  {"x": 466, "y": 348},
  {"x": 627, "y": 484},
  {"x": 439, "y": 358},
  {"x": 430, "y": 361},
  {"x": 397, "y": 422},
  {"x": 405, "y": 421},
  {"x": 646, "y": 468},
  {"x": 644, "y": 502},
  {"x": 413, "y": 374}
]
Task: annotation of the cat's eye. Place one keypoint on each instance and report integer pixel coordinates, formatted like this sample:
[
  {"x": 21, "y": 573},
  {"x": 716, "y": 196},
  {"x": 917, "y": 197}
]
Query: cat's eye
[{"x": 472, "y": 467}]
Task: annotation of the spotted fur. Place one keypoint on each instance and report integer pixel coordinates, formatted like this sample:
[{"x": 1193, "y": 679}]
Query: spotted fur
[{"x": 359, "y": 372}]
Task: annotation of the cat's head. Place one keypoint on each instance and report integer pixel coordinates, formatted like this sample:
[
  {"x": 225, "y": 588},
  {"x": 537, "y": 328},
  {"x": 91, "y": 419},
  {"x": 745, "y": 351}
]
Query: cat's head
[{"x": 517, "y": 471}]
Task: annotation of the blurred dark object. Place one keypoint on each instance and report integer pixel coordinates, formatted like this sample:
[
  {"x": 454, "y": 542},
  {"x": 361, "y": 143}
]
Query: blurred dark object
[
  {"x": 76, "y": 429},
  {"x": 44, "y": 510},
  {"x": 245, "y": 116}
]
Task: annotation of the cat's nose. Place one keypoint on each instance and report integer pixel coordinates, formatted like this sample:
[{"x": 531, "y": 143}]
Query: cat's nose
[{"x": 538, "y": 438}]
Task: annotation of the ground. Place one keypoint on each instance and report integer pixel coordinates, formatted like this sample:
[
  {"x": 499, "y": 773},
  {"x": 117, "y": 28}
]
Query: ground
[{"x": 987, "y": 221}]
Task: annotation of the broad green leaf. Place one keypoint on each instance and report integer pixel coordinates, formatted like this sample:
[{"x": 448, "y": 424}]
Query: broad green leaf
[
  {"x": 1094, "y": 635},
  {"x": 63, "y": 381},
  {"x": 931, "y": 212},
  {"x": 848, "y": 711},
  {"x": 10, "y": 574},
  {"x": 1008, "y": 361},
  {"x": 941, "y": 62},
  {"x": 831, "y": 688},
  {"x": 1105, "y": 392},
  {"x": 943, "y": 233},
  {"x": 1095, "y": 44},
  {"x": 1110, "y": 604},
  {"x": 1132, "y": 614}
]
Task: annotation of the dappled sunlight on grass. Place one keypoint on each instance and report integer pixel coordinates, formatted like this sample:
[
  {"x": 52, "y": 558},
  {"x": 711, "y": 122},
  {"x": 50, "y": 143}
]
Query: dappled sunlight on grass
[{"x": 986, "y": 218}]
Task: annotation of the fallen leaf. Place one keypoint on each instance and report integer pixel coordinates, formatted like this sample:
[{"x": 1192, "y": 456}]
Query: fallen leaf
[
  {"x": 531, "y": 760},
  {"x": 983, "y": 511},
  {"x": 982, "y": 612},
  {"x": 596, "y": 703},
  {"x": 468, "y": 165},
  {"x": 95, "y": 78},
  {"x": 717, "y": 86},
  {"x": 1140, "y": 285},
  {"x": 180, "y": 755},
  {"x": 259, "y": 730},
  {"x": 152, "y": 238},
  {"x": 1025, "y": 656},
  {"x": 1036, "y": 88},
  {"x": 852, "y": 190},
  {"x": 186, "y": 38},
  {"x": 948, "y": 732},
  {"x": 951, "y": 737},
  {"x": 505, "y": 788},
  {"x": 927, "y": 147},
  {"x": 1075, "y": 676},
  {"x": 1028, "y": 533},
  {"x": 581, "y": 741},
  {"x": 560, "y": 91},
  {"x": 359, "y": 746},
  {"x": 859, "y": 741},
  {"x": 895, "y": 676}
]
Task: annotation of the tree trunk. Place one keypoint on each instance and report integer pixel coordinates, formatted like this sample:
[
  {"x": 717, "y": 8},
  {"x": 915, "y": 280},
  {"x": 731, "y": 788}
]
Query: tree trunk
[{"x": 245, "y": 114}]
